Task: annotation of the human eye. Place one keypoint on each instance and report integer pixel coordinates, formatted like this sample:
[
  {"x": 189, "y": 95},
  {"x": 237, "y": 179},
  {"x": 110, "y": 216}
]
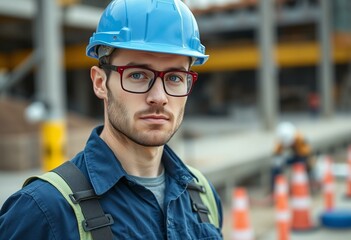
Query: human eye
[
  {"x": 137, "y": 75},
  {"x": 176, "y": 77}
]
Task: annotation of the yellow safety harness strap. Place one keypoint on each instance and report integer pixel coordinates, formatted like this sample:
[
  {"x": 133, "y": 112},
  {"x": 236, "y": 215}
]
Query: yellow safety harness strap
[
  {"x": 207, "y": 197},
  {"x": 77, "y": 190},
  {"x": 60, "y": 184}
]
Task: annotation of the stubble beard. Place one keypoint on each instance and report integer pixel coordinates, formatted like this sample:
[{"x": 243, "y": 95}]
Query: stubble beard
[{"x": 117, "y": 114}]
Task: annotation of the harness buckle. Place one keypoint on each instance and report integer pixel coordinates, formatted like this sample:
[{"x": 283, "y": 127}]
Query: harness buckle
[{"x": 99, "y": 222}]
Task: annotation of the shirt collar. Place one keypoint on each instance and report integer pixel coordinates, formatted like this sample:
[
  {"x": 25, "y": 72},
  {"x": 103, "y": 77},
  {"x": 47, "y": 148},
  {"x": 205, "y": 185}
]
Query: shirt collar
[
  {"x": 105, "y": 170},
  {"x": 103, "y": 167},
  {"x": 175, "y": 168}
]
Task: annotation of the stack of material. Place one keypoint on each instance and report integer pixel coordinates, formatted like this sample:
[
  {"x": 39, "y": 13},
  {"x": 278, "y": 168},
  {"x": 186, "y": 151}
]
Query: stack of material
[{"x": 20, "y": 140}]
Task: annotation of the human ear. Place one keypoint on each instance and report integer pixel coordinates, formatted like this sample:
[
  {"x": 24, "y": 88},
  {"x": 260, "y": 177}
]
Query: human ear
[{"x": 98, "y": 77}]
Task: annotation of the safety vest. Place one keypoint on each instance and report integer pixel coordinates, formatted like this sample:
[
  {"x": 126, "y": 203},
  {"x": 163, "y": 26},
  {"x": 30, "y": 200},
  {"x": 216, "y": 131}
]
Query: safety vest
[{"x": 93, "y": 223}]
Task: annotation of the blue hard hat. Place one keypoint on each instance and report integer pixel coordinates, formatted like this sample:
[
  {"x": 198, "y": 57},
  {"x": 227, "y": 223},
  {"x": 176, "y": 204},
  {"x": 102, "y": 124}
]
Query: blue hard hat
[{"x": 165, "y": 26}]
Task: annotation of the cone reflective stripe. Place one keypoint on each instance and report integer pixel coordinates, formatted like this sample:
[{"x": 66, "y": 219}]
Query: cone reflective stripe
[
  {"x": 282, "y": 208},
  {"x": 301, "y": 202},
  {"x": 241, "y": 229},
  {"x": 283, "y": 216},
  {"x": 328, "y": 185},
  {"x": 348, "y": 189}
]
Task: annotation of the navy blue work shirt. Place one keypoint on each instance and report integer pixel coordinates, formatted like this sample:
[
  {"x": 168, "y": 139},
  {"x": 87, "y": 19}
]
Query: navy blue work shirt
[{"x": 39, "y": 211}]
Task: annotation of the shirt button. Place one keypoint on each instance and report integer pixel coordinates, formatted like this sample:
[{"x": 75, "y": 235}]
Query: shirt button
[
  {"x": 184, "y": 177},
  {"x": 170, "y": 222}
]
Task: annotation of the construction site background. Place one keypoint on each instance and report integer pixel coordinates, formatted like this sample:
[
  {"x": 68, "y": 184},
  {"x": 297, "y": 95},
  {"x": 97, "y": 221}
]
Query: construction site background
[{"x": 231, "y": 115}]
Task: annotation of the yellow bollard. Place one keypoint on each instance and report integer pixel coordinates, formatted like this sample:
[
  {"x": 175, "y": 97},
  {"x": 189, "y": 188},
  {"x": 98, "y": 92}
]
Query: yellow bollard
[{"x": 53, "y": 137}]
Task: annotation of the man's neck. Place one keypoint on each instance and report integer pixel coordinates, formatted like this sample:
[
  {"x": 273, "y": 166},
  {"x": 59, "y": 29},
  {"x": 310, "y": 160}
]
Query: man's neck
[{"x": 137, "y": 160}]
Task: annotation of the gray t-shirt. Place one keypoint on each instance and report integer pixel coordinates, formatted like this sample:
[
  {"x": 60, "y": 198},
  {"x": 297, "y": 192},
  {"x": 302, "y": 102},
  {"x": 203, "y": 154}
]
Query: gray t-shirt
[{"x": 155, "y": 184}]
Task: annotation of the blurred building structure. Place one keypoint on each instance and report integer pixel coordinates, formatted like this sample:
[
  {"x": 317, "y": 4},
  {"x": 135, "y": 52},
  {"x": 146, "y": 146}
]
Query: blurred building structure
[{"x": 230, "y": 84}]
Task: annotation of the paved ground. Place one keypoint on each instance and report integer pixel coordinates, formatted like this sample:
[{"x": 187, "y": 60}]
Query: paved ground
[
  {"x": 262, "y": 214},
  {"x": 12, "y": 181},
  {"x": 263, "y": 220}
]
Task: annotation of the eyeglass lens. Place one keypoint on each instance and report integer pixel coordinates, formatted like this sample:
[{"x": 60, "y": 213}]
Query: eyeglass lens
[{"x": 140, "y": 80}]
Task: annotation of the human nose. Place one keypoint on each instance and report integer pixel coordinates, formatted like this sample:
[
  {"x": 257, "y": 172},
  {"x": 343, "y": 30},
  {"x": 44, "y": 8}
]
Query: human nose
[{"x": 157, "y": 94}]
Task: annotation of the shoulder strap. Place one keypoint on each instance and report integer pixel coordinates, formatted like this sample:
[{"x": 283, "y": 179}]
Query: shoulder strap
[
  {"x": 202, "y": 198},
  {"x": 55, "y": 180},
  {"x": 73, "y": 185}
]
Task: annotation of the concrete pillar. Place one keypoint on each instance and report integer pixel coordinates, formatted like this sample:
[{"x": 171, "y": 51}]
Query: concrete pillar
[
  {"x": 267, "y": 81},
  {"x": 326, "y": 69},
  {"x": 51, "y": 84}
]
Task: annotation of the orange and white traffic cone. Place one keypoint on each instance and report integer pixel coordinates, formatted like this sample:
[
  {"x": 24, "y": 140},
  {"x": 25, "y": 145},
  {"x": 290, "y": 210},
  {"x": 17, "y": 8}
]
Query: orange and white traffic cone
[
  {"x": 348, "y": 184},
  {"x": 328, "y": 185},
  {"x": 282, "y": 208},
  {"x": 241, "y": 227},
  {"x": 300, "y": 202}
]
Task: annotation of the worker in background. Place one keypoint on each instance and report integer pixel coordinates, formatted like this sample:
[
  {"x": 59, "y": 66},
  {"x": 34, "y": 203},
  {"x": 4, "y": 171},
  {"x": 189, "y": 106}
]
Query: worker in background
[
  {"x": 313, "y": 104},
  {"x": 291, "y": 148},
  {"x": 145, "y": 51}
]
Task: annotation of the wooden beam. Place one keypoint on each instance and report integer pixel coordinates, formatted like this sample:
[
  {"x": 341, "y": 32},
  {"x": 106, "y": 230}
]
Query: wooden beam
[
  {"x": 75, "y": 58},
  {"x": 228, "y": 58},
  {"x": 246, "y": 57},
  {"x": 66, "y": 3}
]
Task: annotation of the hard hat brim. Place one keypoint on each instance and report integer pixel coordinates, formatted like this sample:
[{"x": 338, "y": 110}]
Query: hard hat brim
[{"x": 141, "y": 46}]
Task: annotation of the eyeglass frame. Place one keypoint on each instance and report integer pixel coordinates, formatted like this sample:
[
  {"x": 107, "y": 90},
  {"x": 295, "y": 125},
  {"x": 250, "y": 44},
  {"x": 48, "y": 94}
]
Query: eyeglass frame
[{"x": 161, "y": 74}]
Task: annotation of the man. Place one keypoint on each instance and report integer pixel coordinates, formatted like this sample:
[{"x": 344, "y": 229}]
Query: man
[
  {"x": 145, "y": 51},
  {"x": 291, "y": 148}
]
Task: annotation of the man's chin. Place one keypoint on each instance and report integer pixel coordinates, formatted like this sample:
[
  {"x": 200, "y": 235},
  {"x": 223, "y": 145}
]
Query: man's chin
[
  {"x": 151, "y": 140},
  {"x": 154, "y": 143}
]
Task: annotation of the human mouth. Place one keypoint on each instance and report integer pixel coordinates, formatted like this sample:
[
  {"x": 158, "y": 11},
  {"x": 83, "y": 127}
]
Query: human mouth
[{"x": 155, "y": 119}]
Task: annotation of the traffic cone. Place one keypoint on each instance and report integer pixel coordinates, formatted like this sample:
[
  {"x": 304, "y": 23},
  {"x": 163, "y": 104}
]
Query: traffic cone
[
  {"x": 241, "y": 228},
  {"x": 282, "y": 208},
  {"x": 328, "y": 185},
  {"x": 300, "y": 202},
  {"x": 348, "y": 188}
]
